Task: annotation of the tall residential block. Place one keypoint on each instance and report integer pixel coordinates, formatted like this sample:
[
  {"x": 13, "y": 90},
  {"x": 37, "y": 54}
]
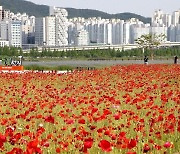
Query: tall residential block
[
  {"x": 4, "y": 28},
  {"x": 61, "y": 25},
  {"x": 176, "y": 17},
  {"x": 45, "y": 31},
  {"x": 50, "y": 31},
  {"x": 28, "y": 25},
  {"x": 126, "y": 33},
  {"x": 15, "y": 33},
  {"x": 4, "y": 14},
  {"x": 171, "y": 33},
  {"x": 40, "y": 32},
  {"x": 11, "y": 30},
  {"x": 117, "y": 32},
  {"x": 161, "y": 19},
  {"x": 139, "y": 30},
  {"x": 81, "y": 38},
  {"x": 178, "y": 33}
]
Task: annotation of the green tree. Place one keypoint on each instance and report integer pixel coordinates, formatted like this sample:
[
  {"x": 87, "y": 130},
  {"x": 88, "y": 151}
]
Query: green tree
[{"x": 150, "y": 41}]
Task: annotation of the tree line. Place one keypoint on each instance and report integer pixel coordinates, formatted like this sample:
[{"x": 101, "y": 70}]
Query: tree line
[{"x": 91, "y": 54}]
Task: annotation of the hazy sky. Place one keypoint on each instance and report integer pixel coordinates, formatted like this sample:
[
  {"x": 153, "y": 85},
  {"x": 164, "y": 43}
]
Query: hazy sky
[{"x": 141, "y": 7}]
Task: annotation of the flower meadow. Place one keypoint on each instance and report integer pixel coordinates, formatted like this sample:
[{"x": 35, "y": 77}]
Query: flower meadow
[{"x": 129, "y": 109}]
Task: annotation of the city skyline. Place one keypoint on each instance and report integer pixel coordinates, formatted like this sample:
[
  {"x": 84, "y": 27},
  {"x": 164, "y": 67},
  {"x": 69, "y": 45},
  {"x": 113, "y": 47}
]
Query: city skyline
[
  {"x": 57, "y": 30},
  {"x": 137, "y": 6}
]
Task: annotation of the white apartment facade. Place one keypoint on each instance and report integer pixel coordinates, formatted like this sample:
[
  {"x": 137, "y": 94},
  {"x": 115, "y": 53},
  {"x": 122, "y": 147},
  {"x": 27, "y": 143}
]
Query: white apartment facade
[
  {"x": 4, "y": 43},
  {"x": 52, "y": 30},
  {"x": 4, "y": 28},
  {"x": 61, "y": 25},
  {"x": 45, "y": 31},
  {"x": 177, "y": 37},
  {"x": 56, "y": 30},
  {"x": 126, "y": 33},
  {"x": 117, "y": 32},
  {"x": 15, "y": 33},
  {"x": 139, "y": 30},
  {"x": 77, "y": 35},
  {"x": 176, "y": 17},
  {"x": 4, "y": 14},
  {"x": 81, "y": 38}
]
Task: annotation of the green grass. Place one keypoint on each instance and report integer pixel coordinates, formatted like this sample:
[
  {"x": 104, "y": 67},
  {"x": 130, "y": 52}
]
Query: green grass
[{"x": 39, "y": 67}]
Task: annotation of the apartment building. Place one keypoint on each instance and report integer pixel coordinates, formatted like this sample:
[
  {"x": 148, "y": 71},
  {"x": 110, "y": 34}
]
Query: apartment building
[
  {"x": 139, "y": 30},
  {"x": 81, "y": 38},
  {"x": 4, "y": 27},
  {"x": 11, "y": 31},
  {"x": 177, "y": 33},
  {"x": 28, "y": 29},
  {"x": 52, "y": 30},
  {"x": 4, "y": 14},
  {"x": 61, "y": 25},
  {"x": 40, "y": 32},
  {"x": 117, "y": 32},
  {"x": 77, "y": 35},
  {"x": 176, "y": 17},
  {"x": 57, "y": 30},
  {"x": 45, "y": 31},
  {"x": 15, "y": 33},
  {"x": 4, "y": 43}
]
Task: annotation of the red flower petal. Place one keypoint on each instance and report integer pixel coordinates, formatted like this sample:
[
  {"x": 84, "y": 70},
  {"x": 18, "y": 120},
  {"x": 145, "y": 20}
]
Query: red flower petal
[{"x": 105, "y": 145}]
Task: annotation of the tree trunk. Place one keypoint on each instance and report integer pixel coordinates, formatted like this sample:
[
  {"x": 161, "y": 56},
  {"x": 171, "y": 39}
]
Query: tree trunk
[{"x": 152, "y": 54}]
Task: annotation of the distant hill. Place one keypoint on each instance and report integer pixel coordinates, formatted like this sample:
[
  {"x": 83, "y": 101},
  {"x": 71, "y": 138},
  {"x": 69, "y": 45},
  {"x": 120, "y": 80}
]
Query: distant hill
[
  {"x": 87, "y": 13},
  {"x": 43, "y": 10},
  {"x": 25, "y": 6}
]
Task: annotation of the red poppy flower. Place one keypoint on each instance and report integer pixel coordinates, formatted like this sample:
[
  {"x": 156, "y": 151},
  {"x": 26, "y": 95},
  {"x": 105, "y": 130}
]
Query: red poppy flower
[
  {"x": 32, "y": 147},
  {"x": 92, "y": 127},
  {"x": 132, "y": 143},
  {"x": 113, "y": 137},
  {"x": 94, "y": 110},
  {"x": 167, "y": 145},
  {"x": 88, "y": 143},
  {"x": 146, "y": 148},
  {"x": 117, "y": 116},
  {"x": 122, "y": 134},
  {"x": 9, "y": 131},
  {"x": 15, "y": 151},
  {"x": 158, "y": 147},
  {"x": 73, "y": 130},
  {"x": 100, "y": 130},
  {"x": 2, "y": 140},
  {"x": 40, "y": 130},
  {"x": 58, "y": 150},
  {"x": 105, "y": 145},
  {"x": 46, "y": 144},
  {"x": 124, "y": 111},
  {"x": 15, "y": 138},
  {"x": 106, "y": 112},
  {"x": 33, "y": 144},
  {"x": 107, "y": 132},
  {"x": 49, "y": 119},
  {"x": 69, "y": 121},
  {"x": 178, "y": 129},
  {"x": 81, "y": 121}
]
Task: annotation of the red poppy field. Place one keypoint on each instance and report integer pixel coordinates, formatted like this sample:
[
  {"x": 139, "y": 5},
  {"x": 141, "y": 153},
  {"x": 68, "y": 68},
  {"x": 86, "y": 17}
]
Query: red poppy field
[{"x": 131, "y": 109}]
